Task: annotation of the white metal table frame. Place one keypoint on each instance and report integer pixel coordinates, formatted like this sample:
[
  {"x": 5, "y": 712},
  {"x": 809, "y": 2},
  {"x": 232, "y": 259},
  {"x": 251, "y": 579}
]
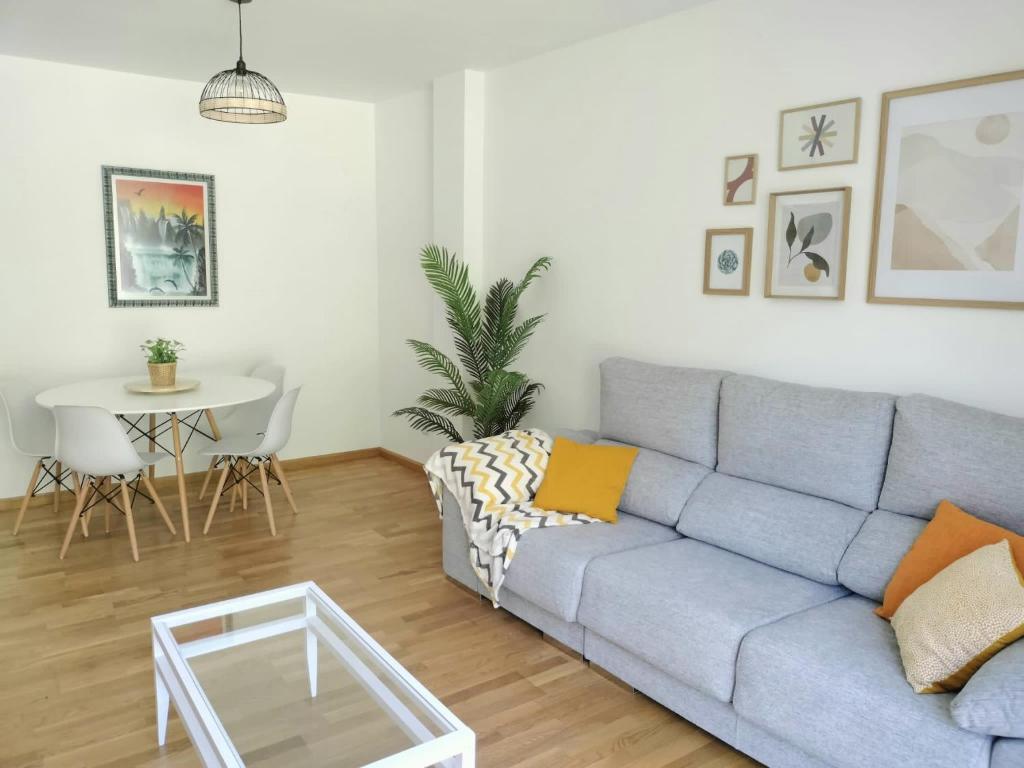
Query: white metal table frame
[
  {"x": 132, "y": 408},
  {"x": 176, "y": 683}
]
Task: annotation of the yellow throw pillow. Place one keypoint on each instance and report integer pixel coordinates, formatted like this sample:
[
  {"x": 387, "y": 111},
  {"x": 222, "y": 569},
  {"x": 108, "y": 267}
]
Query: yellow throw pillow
[
  {"x": 959, "y": 619},
  {"x": 585, "y": 479}
]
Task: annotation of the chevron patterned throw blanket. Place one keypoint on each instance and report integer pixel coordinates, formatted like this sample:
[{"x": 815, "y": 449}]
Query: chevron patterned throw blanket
[{"x": 494, "y": 481}]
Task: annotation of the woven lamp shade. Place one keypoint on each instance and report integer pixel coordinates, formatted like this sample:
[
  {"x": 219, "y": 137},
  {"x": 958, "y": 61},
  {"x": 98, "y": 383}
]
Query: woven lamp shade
[{"x": 240, "y": 95}]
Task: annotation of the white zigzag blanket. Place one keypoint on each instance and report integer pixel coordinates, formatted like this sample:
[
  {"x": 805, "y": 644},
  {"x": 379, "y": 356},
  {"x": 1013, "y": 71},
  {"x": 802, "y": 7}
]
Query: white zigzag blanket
[{"x": 494, "y": 481}]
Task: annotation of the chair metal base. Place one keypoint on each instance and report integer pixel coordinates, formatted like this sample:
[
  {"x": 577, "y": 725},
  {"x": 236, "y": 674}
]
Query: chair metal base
[{"x": 236, "y": 477}]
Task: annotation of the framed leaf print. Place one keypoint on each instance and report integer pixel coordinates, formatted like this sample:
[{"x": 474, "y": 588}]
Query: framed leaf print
[
  {"x": 727, "y": 261},
  {"x": 807, "y": 239},
  {"x": 949, "y": 201},
  {"x": 822, "y": 134},
  {"x": 161, "y": 238}
]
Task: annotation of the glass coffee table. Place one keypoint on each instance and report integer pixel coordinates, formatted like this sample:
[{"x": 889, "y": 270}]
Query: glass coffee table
[{"x": 287, "y": 678}]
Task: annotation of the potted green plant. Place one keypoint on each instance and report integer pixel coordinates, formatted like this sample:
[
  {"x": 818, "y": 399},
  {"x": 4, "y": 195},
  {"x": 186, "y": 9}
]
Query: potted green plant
[{"x": 162, "y": 356}]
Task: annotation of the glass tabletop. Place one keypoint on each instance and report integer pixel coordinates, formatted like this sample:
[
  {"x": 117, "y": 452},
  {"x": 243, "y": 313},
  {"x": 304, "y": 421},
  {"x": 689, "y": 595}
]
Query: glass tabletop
[{"x": 286, "y": 678}]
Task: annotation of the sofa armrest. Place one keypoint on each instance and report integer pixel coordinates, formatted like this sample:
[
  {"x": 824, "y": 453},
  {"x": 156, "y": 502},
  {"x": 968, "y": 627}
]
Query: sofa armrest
[
  {"x": 992, "y": 702},
  {"x": 585, "y": 436}
]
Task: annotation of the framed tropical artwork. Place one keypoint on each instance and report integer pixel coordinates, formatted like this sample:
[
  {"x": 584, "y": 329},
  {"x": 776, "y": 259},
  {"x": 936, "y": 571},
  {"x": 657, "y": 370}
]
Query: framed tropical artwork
[
  {"x": 948, "y": 225},
  {"x": 727, "y": 261},
  {"x": 740, "y": 180},
  {"x": 822, "y": 134},
  {"x": 807, "y": 239},
  {"x": 161, "y": 238}
]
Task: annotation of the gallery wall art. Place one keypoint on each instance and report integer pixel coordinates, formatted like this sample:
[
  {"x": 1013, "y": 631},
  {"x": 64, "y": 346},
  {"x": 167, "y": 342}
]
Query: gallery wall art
[
  {"x": 740, "y": 180},
  {"x": 807, "y": 239},
  {"x": 727, "y": 261},
  {"x": 821, "y": 134},
  {"x": 948, "y": 227},
  {"x": 161, "y": 238}
]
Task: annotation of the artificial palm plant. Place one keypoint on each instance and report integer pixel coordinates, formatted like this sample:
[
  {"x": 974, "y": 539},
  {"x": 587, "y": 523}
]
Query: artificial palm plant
[{"x": 488, "y": 339}]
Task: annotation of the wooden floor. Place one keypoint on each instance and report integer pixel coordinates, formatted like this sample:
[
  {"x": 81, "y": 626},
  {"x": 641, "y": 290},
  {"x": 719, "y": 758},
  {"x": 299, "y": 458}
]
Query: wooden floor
[{"x": 76, "y": 678}]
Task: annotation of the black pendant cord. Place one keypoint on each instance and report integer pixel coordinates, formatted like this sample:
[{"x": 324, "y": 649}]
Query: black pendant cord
[{"x": 240, "y": 66}]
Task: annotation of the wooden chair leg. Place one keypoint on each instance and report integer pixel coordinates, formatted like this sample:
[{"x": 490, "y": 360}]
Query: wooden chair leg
[
  {"x": 246, "y": 471},
  {"x": 56, "y": 487},
  {"x": 266, "y": 498},
  {"x": 159, "y": 503},
  {"x": 87, "y": 517},
  {"x": 29, "y": 492},
  {"x": 79, "y": 503},
  {"x": 106, "y": 506},
  {"x": 279, "y": 471},
  {"x": 216, "y": 495},
  {"x": 127, "y": 502},
  {"x": 206, "y": 480},
  {"x": 152, "y": 443}
]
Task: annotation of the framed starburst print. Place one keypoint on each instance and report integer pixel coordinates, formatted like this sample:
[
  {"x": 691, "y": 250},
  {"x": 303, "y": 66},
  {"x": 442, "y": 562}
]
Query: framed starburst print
[{"x": 821, "y": 134}]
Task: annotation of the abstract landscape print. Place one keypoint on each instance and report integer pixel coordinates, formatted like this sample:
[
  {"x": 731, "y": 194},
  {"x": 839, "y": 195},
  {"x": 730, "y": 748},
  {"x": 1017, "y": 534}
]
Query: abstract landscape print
[
  {"x": 822, "y": 134},
  {"x": 948, "y": 213},
  {"x": 807, "y": 238},
  {"x": 161, "y": 238},
  {"x": 740, "y": 180}
]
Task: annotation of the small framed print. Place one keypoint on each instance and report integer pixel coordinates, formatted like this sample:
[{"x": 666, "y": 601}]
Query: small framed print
[
  {"x": 727, "y": 261},
  {"x": 807, "y": 238},
  {"x": 740, "y": 180},
  {"x": 822, "y": 134}
]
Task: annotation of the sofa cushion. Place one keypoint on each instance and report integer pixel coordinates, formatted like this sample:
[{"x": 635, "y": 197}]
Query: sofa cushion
[
  {"x": 830, "y": 443},
  {"x": 659, "y": 485},
  {"x": 993, "y": 700},
  {"x": 549, "y": 563},
  {"x": 943, "y": 450},
  {"x": 876, "y": 552},
  {"x": 672, "y": 410},
  {"x": 1008, "y": 753},
  {"x": 830, "y": 681},
  {"x": 803, "y": 534},
  {"x": 684, "y": 606}
]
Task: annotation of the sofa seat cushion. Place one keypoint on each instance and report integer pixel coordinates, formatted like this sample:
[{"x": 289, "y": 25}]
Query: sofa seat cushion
[
  {"x": 830, "y": 681},
  {"x": 685, "y": 606},
  {"x": 802, "y": 534},
  {"x": 659, "y": 485},
  {"x": 666, "y": 409},
  {"x": 831, "y": 443},
  {"x": 549, "y": 563}
]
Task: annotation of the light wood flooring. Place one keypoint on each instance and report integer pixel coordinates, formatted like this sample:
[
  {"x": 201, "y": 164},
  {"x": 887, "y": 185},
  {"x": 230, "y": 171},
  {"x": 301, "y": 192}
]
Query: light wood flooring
[{"x": 76, "y": 678}]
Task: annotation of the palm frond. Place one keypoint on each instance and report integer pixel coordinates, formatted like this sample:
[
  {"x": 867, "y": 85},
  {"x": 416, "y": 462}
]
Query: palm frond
[
  {"x": 515, "y": 342},
  {"x": 520, "y": 403},
  {"x": 499, "y": 315},
  {"x": 492, "y": 401},
  {"x": 435, "y": 361},
  {"x": 428, "y": 421},
  {"x": 449, "y": 401},
  {"x": 543, "y": 264},
  {"x": 449, "y": 277}
]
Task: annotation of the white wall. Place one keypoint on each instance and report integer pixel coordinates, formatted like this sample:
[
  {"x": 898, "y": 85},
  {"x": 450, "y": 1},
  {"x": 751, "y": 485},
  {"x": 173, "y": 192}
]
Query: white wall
[
  {"x": 296, "y": 237},
  {"x": 608, "y": 157},
  {"x": 405, "y": 223}
]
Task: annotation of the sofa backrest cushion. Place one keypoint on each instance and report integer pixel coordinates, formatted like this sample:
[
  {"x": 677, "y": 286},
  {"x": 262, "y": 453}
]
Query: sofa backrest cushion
[
  {"x": 671, "y": 410},
  {"x": 876, "y": 551},
  {"x": 944, "y": 450},
  {"x": 659, "y": 485},
  {"x": 802, "y": 534},
  {"x": 830, "y": 443}
]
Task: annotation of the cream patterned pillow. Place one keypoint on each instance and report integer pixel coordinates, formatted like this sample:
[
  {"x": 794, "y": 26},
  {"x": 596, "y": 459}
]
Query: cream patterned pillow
[{"x": 962, "y": 617}]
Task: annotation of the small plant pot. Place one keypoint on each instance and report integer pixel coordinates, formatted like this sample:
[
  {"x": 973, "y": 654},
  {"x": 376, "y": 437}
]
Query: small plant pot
[{"x": 162, "y": 374}]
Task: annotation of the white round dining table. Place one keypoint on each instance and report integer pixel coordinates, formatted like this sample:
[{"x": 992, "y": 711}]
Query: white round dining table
[{"x": 167, "y": 411}]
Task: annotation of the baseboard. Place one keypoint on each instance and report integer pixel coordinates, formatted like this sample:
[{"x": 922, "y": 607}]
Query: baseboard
[
  {"x": 398, "y": 458},
  {"x": 168, "y": 483}
]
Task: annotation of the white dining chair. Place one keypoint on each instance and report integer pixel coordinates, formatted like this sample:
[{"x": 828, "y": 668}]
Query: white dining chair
[
  {"x": 247, "y": 454},
  {"x": 91, "y": 442},
  {"x": 32, "y": 434},
  {"x": 249, "y": 418}
]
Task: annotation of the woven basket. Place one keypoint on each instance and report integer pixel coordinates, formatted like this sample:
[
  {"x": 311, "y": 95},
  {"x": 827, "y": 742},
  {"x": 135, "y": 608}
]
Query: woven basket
[{"x": 162, "y": 374}]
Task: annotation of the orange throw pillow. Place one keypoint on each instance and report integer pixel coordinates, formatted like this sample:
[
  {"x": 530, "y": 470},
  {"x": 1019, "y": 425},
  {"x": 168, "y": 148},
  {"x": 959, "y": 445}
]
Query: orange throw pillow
[
  {"x": 950, "y": 535},
  {"x": 585, "y": 479}
]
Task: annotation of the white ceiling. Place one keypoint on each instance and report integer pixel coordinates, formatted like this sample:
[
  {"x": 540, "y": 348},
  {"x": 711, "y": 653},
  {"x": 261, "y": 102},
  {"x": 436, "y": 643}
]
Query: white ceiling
[{"x": 358, "y": 49}]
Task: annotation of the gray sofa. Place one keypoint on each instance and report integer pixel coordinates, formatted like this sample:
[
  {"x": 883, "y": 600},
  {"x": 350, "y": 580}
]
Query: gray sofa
[{"x": 760, "y": 525}]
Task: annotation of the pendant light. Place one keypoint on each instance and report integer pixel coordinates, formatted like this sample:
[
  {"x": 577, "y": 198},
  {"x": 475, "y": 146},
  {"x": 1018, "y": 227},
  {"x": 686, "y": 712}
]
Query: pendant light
[{"x": 240, "y": 95}]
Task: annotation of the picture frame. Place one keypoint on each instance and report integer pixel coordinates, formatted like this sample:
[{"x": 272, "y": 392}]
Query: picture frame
[
  {"x": 947, "y": 228},
  {"x": 819, "y": 135},
  {"x": 727, "y": 261},
  {"x": 161, "y": 238},
  {"x": 740, "y": 183},
  {"x": 796, "y": 221}
]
